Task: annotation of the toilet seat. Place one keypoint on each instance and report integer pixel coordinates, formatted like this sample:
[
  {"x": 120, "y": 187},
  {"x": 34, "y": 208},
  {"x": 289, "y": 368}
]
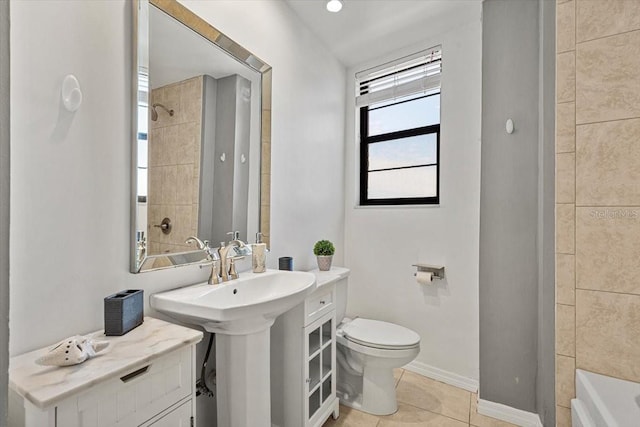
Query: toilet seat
[{"x": 379, "y": 334}]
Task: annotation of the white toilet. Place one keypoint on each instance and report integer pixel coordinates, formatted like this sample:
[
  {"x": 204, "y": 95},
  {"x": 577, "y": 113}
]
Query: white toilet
[{"x": 367, "y": 352}]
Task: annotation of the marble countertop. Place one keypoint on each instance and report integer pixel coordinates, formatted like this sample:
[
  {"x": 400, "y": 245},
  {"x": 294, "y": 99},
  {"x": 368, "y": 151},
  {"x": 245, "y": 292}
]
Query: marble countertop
[
  {"x": 45, "y": 386},
  {"x": 324, "y": 278}
]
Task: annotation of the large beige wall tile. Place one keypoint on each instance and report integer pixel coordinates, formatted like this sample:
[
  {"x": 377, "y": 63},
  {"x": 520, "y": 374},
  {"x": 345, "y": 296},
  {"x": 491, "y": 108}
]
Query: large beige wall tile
[
  {"x": 182, "y": 224},
  {"x": 154, "y": 139},
  {"x": 189, "y": 106},
  {"x": 154, "y": 186},
  {"x": 180, "y": 141},
  {"x": 565, "y": 178},
  {"x": 600, "y": 18},
  {"x": 608, "y": 249},
  {"x": 566, "y": 127},
  {"x": 566, "y": 330},
  {"x": 608, "y": 163},
  {"x": 265, "y": 161},
  {"x": 607, "y": 78},
  {"x": 566, "y": 77},
  {"x": 169, "y": 184},
  {"x": 566, "y": 27},
  {"x": 563, "y": 417},
  {"x": 565, "y": 380},
  {"x": 185, "y": 184},
  {"x": 194, "y": 218},
  {"x": 565, "y": 228},
  {"x": 608, "y": 333},
  {"x": 565, "y": 279}
]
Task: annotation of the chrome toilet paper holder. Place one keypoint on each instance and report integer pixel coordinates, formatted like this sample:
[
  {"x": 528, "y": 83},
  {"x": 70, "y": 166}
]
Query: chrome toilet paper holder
[{"x": 437, "y": 271}]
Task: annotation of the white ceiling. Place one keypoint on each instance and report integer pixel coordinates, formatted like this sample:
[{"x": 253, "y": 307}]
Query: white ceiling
[{"x": 367, "y": 29}]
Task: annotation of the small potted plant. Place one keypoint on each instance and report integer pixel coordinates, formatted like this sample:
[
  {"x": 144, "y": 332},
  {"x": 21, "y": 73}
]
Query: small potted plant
[{"x": 324, "y": 250}]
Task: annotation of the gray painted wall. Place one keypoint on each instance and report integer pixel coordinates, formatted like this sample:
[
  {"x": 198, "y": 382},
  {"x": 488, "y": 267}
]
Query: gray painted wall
[
  {"x": 231, "y": 178},
  {"x": 545, "y": 399},
  {"x": 4, "y": 207},
  {"x": 509, "y": 204},
  {"x": 207, "y": 158}
]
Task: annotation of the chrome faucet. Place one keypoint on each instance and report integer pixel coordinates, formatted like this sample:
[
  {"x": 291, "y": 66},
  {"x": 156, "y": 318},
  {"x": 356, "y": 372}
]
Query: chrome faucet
[
  {"x": 227, "y": 265},
  {"x": 212, "y": 256}
]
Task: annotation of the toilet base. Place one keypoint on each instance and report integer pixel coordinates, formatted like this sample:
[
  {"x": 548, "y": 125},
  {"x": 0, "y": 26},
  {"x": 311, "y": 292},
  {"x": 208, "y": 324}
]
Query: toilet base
[{"x": 378, "y": 393}]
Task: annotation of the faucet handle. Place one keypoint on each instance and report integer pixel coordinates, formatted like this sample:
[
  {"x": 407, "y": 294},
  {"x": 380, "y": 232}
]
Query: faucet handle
[
  {"x": 235, "y": 235},
  {"x": 233, "y": 274}
]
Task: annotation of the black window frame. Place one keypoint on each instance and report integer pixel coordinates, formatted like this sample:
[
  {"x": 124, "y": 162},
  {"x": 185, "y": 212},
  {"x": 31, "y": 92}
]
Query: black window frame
[{"x": 366, "y": 140}]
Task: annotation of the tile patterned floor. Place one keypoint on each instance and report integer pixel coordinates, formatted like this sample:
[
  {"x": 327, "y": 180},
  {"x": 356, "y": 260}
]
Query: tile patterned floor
[{"x": 422, "y": 402}]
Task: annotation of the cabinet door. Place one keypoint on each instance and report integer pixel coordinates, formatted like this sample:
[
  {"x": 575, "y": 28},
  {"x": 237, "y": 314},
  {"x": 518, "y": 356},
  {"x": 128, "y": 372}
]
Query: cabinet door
[
  {"x": 319, "y": 366},
  {"x": 180, "y": 417}
]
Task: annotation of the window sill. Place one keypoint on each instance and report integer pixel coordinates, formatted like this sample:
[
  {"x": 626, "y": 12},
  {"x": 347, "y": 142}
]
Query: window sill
[{"x": 425, "y": 206}]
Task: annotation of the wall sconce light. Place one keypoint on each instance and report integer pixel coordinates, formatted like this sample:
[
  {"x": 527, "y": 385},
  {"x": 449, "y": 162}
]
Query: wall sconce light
[{"x": 334, "y": 5}]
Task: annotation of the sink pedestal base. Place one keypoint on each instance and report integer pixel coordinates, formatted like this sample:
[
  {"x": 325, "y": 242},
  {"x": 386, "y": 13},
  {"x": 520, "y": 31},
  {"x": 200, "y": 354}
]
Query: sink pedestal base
[{"x": 243, "y": 379}]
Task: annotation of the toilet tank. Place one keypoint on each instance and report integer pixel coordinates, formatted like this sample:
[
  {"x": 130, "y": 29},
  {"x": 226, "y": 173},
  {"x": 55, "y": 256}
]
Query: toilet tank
[{"x": 341, "y": 298}]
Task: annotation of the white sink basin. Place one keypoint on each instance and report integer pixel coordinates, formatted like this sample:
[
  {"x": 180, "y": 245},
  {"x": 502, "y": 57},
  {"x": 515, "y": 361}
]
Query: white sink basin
[{"x": 238, "y": 307}]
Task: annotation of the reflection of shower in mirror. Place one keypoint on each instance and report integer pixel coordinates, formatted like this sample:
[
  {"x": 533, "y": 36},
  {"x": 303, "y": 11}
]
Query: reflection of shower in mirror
[{"x": 154, "y": 113}]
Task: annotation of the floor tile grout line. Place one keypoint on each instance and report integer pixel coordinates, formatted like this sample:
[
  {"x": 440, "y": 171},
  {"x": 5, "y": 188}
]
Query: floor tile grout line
[{"x": 431, "y": 412}]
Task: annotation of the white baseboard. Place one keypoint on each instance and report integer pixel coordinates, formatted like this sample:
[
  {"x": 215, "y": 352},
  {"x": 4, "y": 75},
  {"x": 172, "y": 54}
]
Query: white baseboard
[
  {"x": 441, "y": 375},
  {"x": 509, "y": 414}
]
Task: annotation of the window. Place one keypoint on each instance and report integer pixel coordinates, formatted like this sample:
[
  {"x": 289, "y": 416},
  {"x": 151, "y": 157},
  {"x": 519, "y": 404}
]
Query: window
[{"x": 399, "y": 107}]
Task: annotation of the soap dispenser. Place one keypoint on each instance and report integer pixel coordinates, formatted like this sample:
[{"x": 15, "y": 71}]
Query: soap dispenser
[{"x": 259, "y": 255}]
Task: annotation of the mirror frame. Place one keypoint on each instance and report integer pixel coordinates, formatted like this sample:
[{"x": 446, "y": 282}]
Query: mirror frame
[{"x": 194, "y": 23}]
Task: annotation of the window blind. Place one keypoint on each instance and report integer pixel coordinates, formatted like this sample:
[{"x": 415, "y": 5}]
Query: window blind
[{"x": 417, "y": 73}]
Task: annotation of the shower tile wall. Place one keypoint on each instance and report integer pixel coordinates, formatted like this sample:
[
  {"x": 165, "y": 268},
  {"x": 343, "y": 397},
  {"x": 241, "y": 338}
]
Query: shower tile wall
[
  {"x": 174, "y": 165},
  {"x": 597, "y": 193}
]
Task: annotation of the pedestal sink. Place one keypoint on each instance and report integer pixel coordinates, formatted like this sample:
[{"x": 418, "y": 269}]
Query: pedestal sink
[{"x": 240, "y": 312}]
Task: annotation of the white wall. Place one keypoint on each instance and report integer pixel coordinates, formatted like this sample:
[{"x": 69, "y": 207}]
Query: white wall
[
  {"x": 4, "y": 208},
  {"x": 383, "y": 243},
  {"x": 70, "y": 172}
]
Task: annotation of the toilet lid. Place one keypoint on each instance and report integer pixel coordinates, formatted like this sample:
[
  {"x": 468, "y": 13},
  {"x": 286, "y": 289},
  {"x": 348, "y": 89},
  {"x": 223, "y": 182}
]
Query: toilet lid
[{"x": 378, "y": 334}]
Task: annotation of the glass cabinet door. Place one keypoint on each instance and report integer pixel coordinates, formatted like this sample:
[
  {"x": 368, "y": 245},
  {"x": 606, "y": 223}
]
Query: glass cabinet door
[{"x": 320, "y": 363}]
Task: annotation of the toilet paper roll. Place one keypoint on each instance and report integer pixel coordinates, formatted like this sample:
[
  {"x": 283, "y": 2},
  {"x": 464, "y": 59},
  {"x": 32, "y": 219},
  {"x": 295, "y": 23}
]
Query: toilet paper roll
[{"x": 424, "y": 277}]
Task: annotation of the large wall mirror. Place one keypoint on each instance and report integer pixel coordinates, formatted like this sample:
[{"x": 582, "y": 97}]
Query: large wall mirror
[{"x": 201, "y": 143}]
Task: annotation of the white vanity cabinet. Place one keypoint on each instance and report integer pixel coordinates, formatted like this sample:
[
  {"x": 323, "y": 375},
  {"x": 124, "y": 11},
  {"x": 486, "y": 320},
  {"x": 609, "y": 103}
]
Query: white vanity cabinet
[
  {"x": 146, "y": 378},
  {"x": 303, "y": 362}
]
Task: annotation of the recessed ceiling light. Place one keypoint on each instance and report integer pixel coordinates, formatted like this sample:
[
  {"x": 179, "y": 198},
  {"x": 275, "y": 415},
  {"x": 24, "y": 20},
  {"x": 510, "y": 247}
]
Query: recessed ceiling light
[{"x": 334, "y": 5}]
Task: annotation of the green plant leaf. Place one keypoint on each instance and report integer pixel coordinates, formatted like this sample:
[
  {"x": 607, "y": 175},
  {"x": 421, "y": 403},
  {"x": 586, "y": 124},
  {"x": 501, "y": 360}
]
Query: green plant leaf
[{"x": 323, "y": 248}]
